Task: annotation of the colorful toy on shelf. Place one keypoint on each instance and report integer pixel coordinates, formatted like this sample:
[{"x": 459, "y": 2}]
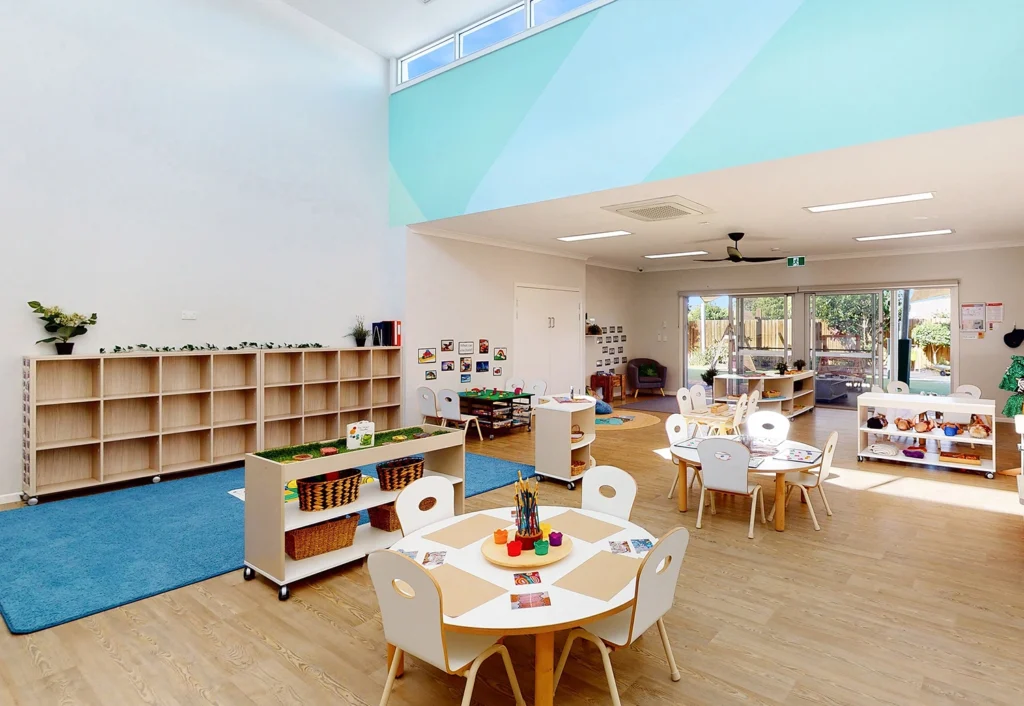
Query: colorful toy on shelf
[
  {"x": 978, "y": 429},
  {"x": 528, "y": 528}
]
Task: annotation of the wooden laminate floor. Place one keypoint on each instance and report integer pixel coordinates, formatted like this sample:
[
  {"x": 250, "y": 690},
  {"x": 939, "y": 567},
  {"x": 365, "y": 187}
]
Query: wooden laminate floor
[{"x": 912, "y": 593}]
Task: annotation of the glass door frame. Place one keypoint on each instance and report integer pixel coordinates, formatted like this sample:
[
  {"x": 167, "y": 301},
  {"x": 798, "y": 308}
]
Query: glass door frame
[{"x": 876, "y": 355}]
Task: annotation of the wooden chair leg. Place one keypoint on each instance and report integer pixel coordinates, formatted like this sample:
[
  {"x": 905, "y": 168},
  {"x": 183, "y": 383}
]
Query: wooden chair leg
[
  {"x": 392, "y": 675},
  {"x": 503, "y": 651},
  {"x": 608, "y": 672},
  {"x": 573, "y": 634},
  {"x": 753, "y": 513},
  {"x": 478, "y": 432},
  {"x": 789, "y": 490},
  {"x": 761, "y": 493},
  {"x": 700, "y": 510},
  {"x": 810, "y": 508},
  {"x": 662, "y": 391},
  {"x": 673, "y": 669},
  {"x": 714, "y": 510},
  {"x": 821, "y": 491},
  {"x": 675, "y": 484}
]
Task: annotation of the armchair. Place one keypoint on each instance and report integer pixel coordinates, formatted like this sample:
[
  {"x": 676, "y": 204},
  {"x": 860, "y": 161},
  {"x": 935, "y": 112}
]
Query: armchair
[{"x": 638, "y": 381}]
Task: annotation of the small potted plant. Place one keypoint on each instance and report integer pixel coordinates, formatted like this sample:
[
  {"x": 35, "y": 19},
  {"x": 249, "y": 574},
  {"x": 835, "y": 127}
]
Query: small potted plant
[
  {"x": 708, "y": 376},
  {"x": 800, "y": 364},
  {"x": 359, "y": 332},
  {"x": 782, "y": 367},
  {"x": 63, "y": 325}
]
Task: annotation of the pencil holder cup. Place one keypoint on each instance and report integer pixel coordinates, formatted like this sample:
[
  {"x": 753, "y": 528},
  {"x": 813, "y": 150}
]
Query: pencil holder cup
[
  {"x": 555, "y": 539},
  {"x": 500, "y": 536},
  {"x": 545, "y": 529},
  {"x": 514, "y": 548},
  {"x": 540, "y": 547}
]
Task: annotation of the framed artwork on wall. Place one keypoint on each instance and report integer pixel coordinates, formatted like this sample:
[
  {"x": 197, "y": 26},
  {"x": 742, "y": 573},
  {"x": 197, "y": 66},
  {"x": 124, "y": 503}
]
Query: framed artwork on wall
[
  {"x": 430, "y": 374},
  {"x": 625, "y": 359},
  {"x": 447, "y": 366},
  {"x": 501, "y": 353},
  {"x": 497, "y": 371},
  {"x": 482, "y": 366},
  {"x": 623, "y": 338},
  {"x": 465, "y": 378},
  {"x": 620, "y": 349},
  {"x": 618, "y": 329},
  {"x": 604, "y": 329},
  {"x": 465, "y": 365},
  {"x": 600, "y": 340},
  {"x": 427, "y": 355},
  {"x": 485, "y": 346},
  {"x": 447, "y": 345},
  {"x": 465, "y": 348},
  {"x": 607, "y": 361}
]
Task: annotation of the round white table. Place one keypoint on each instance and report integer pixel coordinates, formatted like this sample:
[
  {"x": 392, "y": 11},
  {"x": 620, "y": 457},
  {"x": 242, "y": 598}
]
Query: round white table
[
  {"x": 687, "y": 457},
  {"x": 567, "y": 610}
]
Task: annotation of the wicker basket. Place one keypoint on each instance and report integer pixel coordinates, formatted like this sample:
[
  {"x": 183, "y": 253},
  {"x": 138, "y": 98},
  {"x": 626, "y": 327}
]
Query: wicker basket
[
  {"x": 320, "y": 538},
  {"x": 317, "y": 495},
  {"x": 400, "y": 472},
  {"x": 577, "y": 468},
  {"x": 384, "y": 517}
]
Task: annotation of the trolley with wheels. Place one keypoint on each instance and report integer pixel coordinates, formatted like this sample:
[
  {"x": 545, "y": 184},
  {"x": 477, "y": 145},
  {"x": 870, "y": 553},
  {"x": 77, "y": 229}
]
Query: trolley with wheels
[{"x": 564, "y": 434}]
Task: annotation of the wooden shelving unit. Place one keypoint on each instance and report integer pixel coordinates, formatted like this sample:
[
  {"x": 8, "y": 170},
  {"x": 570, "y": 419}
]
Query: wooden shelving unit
[
  {"x": 94, "y": 420},
  {"x": 791, "y": 395}
]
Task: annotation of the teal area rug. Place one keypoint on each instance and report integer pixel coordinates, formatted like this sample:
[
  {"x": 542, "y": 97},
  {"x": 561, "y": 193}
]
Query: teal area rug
[
  {"x": 616, "y": 421},
  {"x": 68, "y": 559}
]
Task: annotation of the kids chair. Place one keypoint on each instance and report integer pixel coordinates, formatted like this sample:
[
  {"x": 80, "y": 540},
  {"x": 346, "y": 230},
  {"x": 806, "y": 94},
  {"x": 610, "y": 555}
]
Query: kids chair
[
  {"x": 451, "y": 412},
  {"x": 621, "y": 484},
  {"x": 767, "y": 425},
  {"x": 409, "y": 502},
  {"x": 428, "y": 403},
  {"x": 724, "y": 465},
  {"x": 805, "y": 480},
  {"x": 676, "y": 429}
]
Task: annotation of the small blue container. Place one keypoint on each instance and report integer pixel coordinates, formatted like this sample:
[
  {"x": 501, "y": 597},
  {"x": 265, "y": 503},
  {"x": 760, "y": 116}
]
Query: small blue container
[{"x": 949, "y": 431}]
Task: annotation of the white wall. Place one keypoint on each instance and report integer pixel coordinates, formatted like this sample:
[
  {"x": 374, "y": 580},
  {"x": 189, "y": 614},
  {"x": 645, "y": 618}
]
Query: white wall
[
  {"x": 223, "y": 156},
  {"x": 465, "y": 291},
  {"x": 984, "y": 275},
  {"x": 610, "y": 297}
]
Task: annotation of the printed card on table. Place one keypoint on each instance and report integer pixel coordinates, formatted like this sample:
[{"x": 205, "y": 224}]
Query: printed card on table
[
  {"x": 642, "y": 545},
  {"x": 432, "y": 559},
  {"x": 527, "y": 579},
  {"x": 619, "y": 547},
  {"x": 530, "y": 600},
  {"x": 408, "y": 553}
]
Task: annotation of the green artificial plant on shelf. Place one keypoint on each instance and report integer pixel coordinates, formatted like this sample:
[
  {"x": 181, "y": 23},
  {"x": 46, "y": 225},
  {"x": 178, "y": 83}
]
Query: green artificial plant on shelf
[
  {"x": 286, "y": 454},
  {"x": 359, "y": 332},
  {"x": 63, "y": 325},
  {"x": 708, "y": 376}
]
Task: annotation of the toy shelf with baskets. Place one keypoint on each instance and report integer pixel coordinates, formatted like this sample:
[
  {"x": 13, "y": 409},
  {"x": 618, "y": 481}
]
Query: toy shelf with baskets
[
  {"x": 790, "y": 395},
  {"x": 560, "y": 454},
  {"x": 935, "y": 445},
  {"x": 268, "y": 518}
]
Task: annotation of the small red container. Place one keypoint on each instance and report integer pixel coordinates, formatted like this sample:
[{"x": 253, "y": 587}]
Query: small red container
[
  {"x": 528, "y": 540},
  {"x": 514, "y": 548}
]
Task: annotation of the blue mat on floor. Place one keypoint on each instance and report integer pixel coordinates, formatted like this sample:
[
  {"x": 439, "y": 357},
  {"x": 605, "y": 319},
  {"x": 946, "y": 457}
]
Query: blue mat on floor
[{"x": 68, "y": 559}]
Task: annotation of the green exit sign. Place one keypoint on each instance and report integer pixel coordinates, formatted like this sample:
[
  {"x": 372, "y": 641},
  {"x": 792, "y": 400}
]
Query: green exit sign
[{"x": 798, "y": 261}]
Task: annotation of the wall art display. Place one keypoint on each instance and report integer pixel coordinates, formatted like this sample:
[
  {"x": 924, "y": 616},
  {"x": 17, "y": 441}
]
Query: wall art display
[
  {"x": 497, "y": 372},
  {"x": 465, "y": 378},
  {"x": 625, "y": 359},
  {"x": 615, "y": 361},
  {"x": 485, "y": 346},
  {"x": 615, "y": 339},
  {"x": 604, "y": 329},
  {"x": 618, "y": 329},
  {"x": 600, "y": 362},
  {"x": 501, "y": 353},
  {"x": 447, "y": 366},
  {"x": 604, "y": 349},
  {"x": 447, "y": 345},
  {"x": 482, "y": 366},
  {"x": 465, "y": 365},
  {"x": 620, "y": 349},
  {"x": 465, "y": 348},
  {"x": 430, "y": 374},
  {"x": 607, "y": 361},
  {"x": 600, "y": 340},
  {"x": 623, "y": 337},
  {"x": 427, "y": 355}
]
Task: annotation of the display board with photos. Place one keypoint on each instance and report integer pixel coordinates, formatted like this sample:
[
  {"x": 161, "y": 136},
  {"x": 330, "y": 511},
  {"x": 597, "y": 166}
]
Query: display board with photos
[
  {"x": 476, "y": 362},
  {"x": 607, "y": 351}
]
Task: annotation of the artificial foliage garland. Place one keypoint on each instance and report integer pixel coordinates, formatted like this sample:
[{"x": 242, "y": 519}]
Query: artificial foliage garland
[
  {"x": 146, "y": 348},
  {"x": 1012, "y": 383}
]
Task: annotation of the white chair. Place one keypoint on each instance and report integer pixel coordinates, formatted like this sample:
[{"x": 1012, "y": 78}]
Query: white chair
[
  {"x": 410, "y": 608},
  {"x": 699, "y": 398},
  {"x": 511, "y": 385},
  {"x": 683, "y": 398},
  {"x": 752, "y": 402},
  {"x": 805, "y": 480},
  {"x": 451, "y": 411},
  {"x": 537, "y": 387},
  {"x": 622, "y": 486},
  {"x": 771, "y": 426},
  {"x": 655, "y": 592},
  {"x": 897, "y": 387},
  {"x": 414, "y": 509},
  {"x": 428, "y": 403},
  {"x": 733, "y": 425},
  {"x": 971, "y": 390},
  {"x": 676, "y": 429},
  {"x": 724, "y": 466}
]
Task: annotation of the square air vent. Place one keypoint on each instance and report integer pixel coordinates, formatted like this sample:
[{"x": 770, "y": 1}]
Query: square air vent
[{"x": 663, "y": 209}]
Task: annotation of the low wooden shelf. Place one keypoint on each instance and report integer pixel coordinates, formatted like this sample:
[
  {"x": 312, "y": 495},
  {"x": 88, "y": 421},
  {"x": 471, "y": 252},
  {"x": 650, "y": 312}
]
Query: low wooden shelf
[{"x": 794, "y": 393}]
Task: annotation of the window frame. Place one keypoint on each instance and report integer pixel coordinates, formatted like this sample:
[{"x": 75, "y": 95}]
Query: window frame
[
  {"x": 403, "y": 63},
  {"x": 524, "y": 5}
]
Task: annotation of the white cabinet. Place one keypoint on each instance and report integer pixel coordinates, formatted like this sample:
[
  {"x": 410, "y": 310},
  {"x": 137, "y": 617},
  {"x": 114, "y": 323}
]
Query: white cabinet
[
  {"x": 548, "y": 339},
  {"x": 555, "y": 449}
]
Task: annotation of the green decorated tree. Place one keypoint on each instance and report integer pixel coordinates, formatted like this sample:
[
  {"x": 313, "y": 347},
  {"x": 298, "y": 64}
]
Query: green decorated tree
[{"x": 1013, "y": 379}]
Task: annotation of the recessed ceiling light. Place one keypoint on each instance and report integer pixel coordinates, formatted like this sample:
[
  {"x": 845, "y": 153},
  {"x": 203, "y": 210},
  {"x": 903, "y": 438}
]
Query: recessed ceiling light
[
  {"x": 871, "y": 202},
  {"x": 595, "y": 236},
  {"x": 676, "y": 254},
  {"x": 894, "y": 236}
]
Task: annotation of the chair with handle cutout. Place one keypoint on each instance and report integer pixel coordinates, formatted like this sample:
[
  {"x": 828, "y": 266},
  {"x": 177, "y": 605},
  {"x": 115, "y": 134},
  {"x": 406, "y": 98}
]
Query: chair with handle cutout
[
  {"x": 970, "y": 390},
  {"x": 451, "y": 411},
  {"x": 897, "y": 387},
  {"x": 621, "y": 485},
  {"x": 733, "y": 425},
  {"x": 725, "y": 466},
  {"x": 699, "y": 398},
  {"x": 415, "y": 509},
  {"x": 771, "y": 426},
  {"x": 677, "y": 430},
  {"x": 427, "y": 401},
  {"x": 752, "y": 402},
  {"x": 514, "y": 384},
  {"x": 807, "y": 480}
]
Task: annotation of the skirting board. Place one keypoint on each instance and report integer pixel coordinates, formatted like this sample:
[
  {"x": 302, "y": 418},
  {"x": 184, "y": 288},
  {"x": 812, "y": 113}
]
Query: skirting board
[{"x": 10, "y": 498}]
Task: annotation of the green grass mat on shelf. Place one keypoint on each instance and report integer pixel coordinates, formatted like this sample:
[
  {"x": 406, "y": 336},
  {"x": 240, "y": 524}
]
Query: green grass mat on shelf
[{"x": 285, "y": 454}]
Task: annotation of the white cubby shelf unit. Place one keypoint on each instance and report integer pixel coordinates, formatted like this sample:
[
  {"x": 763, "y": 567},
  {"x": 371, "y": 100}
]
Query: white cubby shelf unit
[
  {"x": 948, "y": 409},
  {"x": 554, "y": 448},
  {"x": 792, "y": 394},
  {"x": 268, "y": 517},
  {"x": 95, "y": 420}
]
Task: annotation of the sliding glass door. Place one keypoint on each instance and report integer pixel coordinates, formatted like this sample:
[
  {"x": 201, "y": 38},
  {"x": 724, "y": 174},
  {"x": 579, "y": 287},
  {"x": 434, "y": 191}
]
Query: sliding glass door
[
  {"x": 763, "y": 326},
  {"x": 848, "y": 344}
]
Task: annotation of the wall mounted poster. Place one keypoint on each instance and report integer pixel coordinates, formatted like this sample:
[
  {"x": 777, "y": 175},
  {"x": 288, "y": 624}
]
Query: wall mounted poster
[
  {"x": 427, "y": 355},
  {"x": 994, "y": 314},
  {"x": 465, "y": 348},
  {"x": 607, "y": 361},
  {"x": 482, "y": 366},
  {"x": 447, "y": 366},
  {"x": 501, "y": 353},
  {"x": 430, "y": 374},
  {"x": 972, "y": 320},
  {"x": 465, "y": 378},
  {"x": 447, "y": 345},
  {"x": 497, "y": 372},
  {"x": 465, "y": 365},
  {"x": 485, "y": 346}
]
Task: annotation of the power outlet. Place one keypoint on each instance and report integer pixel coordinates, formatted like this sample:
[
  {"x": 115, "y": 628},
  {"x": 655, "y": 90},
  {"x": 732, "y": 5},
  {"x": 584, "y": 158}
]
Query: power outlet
[{"x": 187, "y": 315}]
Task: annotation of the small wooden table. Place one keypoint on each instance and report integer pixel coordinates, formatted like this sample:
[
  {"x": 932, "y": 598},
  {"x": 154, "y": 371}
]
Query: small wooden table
[
  {"x": 688, "y": 457},
  {"x": 608, "y": 383}
]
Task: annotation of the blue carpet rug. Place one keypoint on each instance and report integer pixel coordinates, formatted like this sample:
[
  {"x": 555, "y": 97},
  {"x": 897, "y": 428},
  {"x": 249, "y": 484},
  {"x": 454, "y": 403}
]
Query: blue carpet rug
[{"x": 68, "y": 559}]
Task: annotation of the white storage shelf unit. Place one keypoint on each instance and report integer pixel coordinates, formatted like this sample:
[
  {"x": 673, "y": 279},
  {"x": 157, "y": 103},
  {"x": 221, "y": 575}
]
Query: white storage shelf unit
[
  {"x": 268, "y": 517},
  {"x": 950, "y": 409},
  {"x": 554, "y": 448},
  {"x": 792, "y": 394}
]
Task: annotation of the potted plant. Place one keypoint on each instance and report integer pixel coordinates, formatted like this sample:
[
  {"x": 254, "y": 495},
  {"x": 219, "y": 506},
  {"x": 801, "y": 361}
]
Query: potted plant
[
  {"x": 708, "y": 376},
  {"x": 782, "y": 367},
  {"x": 359, "y": 332},
  {"x": 800, "y": 364},
  {"x": 63, "y": 325}
]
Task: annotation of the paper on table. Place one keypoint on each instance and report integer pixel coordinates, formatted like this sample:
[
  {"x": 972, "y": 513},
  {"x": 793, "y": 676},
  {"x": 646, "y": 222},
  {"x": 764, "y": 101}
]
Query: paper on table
[
  {"x": 463, "y": 533},
  {"x": 601, "y": 576},
  {"x": 461, "y": 591},
  {"x": 582, "y": 527}
]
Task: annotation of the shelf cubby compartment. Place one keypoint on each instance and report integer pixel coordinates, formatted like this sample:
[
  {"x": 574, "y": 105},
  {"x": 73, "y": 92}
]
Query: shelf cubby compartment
[
  {"x": 230, "y": 444},
  {"x": 387, "y": 418},
  {"x": 282, "y": 402},
  {"x": 355, "y": 415},
  {"x": 185, "y": 451},
  {"x": 131, "y": 458},
  {"x": 282, "y": 367},
  {"x": 131, "y": 376},
  {"x": 71, "y": 424},
  {"x": 185, "y": 373},
  {"x": 234, "y": 370},
  {"x": 355, "y": 395},
  {"x": 68, "y": 468},
  {"x": 320, "y": 397},
  {"x": 286, "y": 432},
  {"x": 387, "y": 392},
  {"x": 387, "y": 362},
  {"x": 320, "y": 366},
  {"x": 67, "y": 380},
  {"x": 185, "y": 412},
  {"x": 355, "y": 364},
  {"x": 233, "y": 407},
  {"x": 130, "y": 417},
  {"x": 320, "y": 427}
]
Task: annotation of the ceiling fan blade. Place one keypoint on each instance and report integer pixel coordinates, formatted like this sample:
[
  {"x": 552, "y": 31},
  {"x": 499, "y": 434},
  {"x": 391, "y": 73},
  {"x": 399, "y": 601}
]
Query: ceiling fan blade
[
  {"x": 724, "y": 259},
  {"x": 763, "y": 259}
]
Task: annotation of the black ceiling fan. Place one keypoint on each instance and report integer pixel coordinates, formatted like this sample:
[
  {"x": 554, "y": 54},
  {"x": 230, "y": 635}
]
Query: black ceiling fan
[{"x": 736, "y": 256}]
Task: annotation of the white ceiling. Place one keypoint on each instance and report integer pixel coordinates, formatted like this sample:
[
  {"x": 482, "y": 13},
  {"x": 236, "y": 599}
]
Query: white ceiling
[
  {"x": 976, "y": 172},
  {"x": 393, "y": 28}
]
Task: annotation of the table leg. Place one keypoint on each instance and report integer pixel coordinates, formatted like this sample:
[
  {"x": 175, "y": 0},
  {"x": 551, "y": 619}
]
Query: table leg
[
  {"x": 544, "y": 670},
  {"x": 780, "y": 502},
  {"x": 401, "y": 663},
  {"x": 684, "y": 492}
]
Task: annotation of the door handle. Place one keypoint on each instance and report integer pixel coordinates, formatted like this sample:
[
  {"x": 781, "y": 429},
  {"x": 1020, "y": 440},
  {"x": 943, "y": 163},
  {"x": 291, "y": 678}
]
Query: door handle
[{"x": 552, "y": 322}]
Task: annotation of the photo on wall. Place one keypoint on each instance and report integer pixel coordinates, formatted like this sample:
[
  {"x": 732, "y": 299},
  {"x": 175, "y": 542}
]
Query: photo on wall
[
  {"x": 427, "y": 355},
  {"x": 615, "y": 361},
  {"x": 618, "y": 329},
  {"x": 600, "y": 340},
  {"x": 623, "y": 338},
  {"x": 607, "y": 361},
  {"x": 482, "y": 366},
  {"x": 447, "y": 345},
  {"x": 615, "y": 339},
  {"x": 501, "y": 353},
  {"x": 430, "y": 374},
  {"x": 465, "y": 365},
  {"x": 604, "y": 329},
  {"x": 604, "y": 349},
  {"x": 447, "y": 366},
  {"x": 625, "y": 359},
  {"x": 465, "y": 378},
  {"x": 485, "y": 346},
  {"x": 600, "y": 362},
  {"x": 620, "y": 349},
  {"x": 465, "y": 348},
  {"x": 497, "y": 371}
]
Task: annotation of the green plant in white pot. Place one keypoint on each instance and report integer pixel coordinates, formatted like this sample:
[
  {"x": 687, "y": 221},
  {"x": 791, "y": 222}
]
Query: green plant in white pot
[{"x": 62, "y": 325}]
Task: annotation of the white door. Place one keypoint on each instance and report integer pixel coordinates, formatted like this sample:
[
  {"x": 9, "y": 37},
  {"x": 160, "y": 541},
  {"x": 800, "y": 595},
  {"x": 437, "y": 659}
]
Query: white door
[
  {"x": 565, "y": 342},
  {"x": 532, "y": 328},
  {"x": 548, "y": 340}
]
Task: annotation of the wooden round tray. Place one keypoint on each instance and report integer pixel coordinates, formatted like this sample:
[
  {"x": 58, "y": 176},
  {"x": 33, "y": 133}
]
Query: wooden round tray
[{"x": 497, "y": 554}]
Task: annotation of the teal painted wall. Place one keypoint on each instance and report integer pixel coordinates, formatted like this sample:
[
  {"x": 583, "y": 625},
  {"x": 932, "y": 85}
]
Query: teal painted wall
[{"x": 643, "y": 90}]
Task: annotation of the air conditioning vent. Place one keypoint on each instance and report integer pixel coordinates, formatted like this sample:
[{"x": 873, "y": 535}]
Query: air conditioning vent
[{"x": 663, "y": 209}]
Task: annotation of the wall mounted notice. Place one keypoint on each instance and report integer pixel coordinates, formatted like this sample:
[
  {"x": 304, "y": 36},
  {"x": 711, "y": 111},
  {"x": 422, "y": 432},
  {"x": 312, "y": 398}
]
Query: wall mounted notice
[
  {"x": 994, "y": 314},
  {"x": 972, "y": 320}
]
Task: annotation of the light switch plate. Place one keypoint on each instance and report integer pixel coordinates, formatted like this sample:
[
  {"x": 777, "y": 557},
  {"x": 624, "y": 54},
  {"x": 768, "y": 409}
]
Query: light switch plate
[{"x": 187, "y": 315}]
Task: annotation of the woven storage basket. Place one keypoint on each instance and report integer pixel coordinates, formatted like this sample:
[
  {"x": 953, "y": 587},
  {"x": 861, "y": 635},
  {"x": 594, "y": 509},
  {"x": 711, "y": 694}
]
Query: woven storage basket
[
  {"x": 384, "y": 517},
  {"x": 400, "y": 472},
  {"x": 322, "y": 495},
  {"x": 320, "y": 538},
  {"x": 577, "y": 468}
]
